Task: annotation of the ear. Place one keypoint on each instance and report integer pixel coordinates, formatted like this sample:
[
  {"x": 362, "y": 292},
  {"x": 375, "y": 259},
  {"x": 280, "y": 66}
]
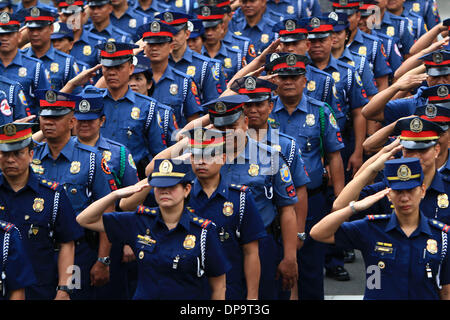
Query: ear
[
  {"x": 270, "y": 106},
  {"x": 131, "y": 69}
]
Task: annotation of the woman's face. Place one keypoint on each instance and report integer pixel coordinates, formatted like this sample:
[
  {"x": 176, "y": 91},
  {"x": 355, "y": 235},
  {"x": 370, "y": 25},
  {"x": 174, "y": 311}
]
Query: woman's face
[
  {"x": 407, "y": 201},
  {"x": 171, "y": 196}
]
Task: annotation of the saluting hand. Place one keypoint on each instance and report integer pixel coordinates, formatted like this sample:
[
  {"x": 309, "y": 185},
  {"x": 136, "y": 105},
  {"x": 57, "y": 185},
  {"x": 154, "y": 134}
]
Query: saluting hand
[{"x": 369, "y": 201}]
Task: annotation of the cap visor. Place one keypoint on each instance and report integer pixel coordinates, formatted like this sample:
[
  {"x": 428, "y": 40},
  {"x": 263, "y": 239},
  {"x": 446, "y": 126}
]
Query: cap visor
[
  {"x": 157, "y": 39},
  {"x": 210, "y": 23},
  {"x": 114, "y": 62},
  {"x": 293, "y": 37},
  {"x": 87, "y": 116},
  {"x": 37, "y": 24},
  {"x": 290, "y": 71},
  {"x": 164, "y": 182},
  {"x": 413, "y": 145},
  {"x": 54, "y": 112},
  {"x": 6, "y": 147},
  {"x": 57, "y": 36},
  {"x": 318, "y": 35},
  {"x": 226, "y": 120},
  {"x": 437, "y": 72},
  {"x": 404, "y": 185},
  {"x": 258, "y": 97},
  {"x": 9, "y": 29},
  {"x": 195, "y": 35}
]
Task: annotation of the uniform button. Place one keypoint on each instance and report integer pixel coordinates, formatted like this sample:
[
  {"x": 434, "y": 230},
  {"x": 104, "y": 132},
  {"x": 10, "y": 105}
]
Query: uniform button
[
  {"x": 27, "y": 217},
  {"x": 73, "y": 191},
  {"x": 381, "y": 265}
]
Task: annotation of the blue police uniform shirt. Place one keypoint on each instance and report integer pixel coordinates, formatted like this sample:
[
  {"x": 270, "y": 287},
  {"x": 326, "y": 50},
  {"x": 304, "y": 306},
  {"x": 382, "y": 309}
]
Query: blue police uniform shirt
[
  {"x": 304, "y": 124},
  {"x": 231, "y": 60},
  {"x": 79, "y": 169},
  {"x": 260, "y": 35},
  {"x": 133, "y": 121},
  {"x": 361, "y": 64},
  {"x": 61, "y": 66},
  {"x": 169, "y": 262},
  {"x": 288, "y": 148},
  {"x": 396, "y": 109},
  {"x": 16, "y": 105},
  {"x": 31, "y": 74},
  {"x": 445, "y": 170},
  {"x": 350, "y": 92},
  {"x": 238, "y": 42},
  {"x": 130, "y": 21},
  {"x": 238, "y": 222},
  {"x": 418, "y": 24},
  {"x": 119, "y": 160},
  {"x": 110, "y": 33},
  {"x": 17, "y": 267},
  {"x": 84, "y": 48},
  {"x": 427, "y": 9},
  {"x": 22, "y": 12},
  {"x": 179, "y": 91},
  {"x": 371, "y": 46},
  {"x": 400, "y": 29},
  {"x": 43, "y": 214},
  {"x": 185, "y": 6},
  {"x": 404, "y": 261},
  {"x": 207, "y": 73},
  {"x": 275, "y": 16},
  {"x": 321, "y": 86},
  {"x": 151, "y": 11},
  {"x": 262, "y": 169},
  {"x": 390, "y": 47},
  {"x": 288, "y": 9}
]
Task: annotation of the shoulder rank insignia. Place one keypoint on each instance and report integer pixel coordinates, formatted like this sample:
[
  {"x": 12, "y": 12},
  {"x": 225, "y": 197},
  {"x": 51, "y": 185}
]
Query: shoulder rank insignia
[
  {"x": 201, "y": 221},
  {"x": 51, "y": 184},
  {"x": 372, "y": 217},
  {"x": 6, "y": 226},
  {"x": 145, "y": 210},
  {"x": 439, "y": 225}
]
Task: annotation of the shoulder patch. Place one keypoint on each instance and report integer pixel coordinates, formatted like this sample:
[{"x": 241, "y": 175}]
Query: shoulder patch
[
  {"x": 439, "y": 225},
  {"x": 372, "y": 217},
  {"x": 143, "y": 210}
]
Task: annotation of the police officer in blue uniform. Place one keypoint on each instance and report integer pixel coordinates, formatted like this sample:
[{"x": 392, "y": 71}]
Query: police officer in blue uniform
[
  {"x": 84, "y": 41},
  {"x": 405, "y": 240},
  {"x": 171, "y": 87},
  {"x": 418, "y": 24},
  {"x": 294, "y": 39},
  {"x": 272, "y": 15},
  {"x": 140, "y": 118},
  {"x": 427, "y": 9},
  {"x": 101, "y": 22},
  {"x": 195, "y": 41},
  {"x": 129, "y": 20},
  {"x": 232, "y": 209},
  {"x": 207, "y": 73},
  {"x": 318, "y": 135},
  {"x": 85, "y": 177},
  {"x": 41, "y": 211},
  {"x": 147, "y": 7},
  {"x": 16, "y": 270},
  {"x": 61, "y": 66},
  {"x": 267, "y": 174},
  {"x": 13, "y": 105},
  {"x": 177, "y": 252},
  {"x": 231, "y": 58},
  {"x": 28, "y": 71}
]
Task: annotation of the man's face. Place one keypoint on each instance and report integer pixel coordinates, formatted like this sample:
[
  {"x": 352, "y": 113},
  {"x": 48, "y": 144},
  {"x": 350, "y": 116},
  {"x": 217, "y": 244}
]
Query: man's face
[
  {"x": 393, "y": 5},
  {"x": 40, "y": 36},
  {"x": 64, "y": 44},
  {"x": 214, "y": 34},
  {"x": 298, "y": 47},
  {"x": 158, "y": 52},
  {"x": 118, "y": 76},
  {"x": 88, "y": 129},
  {"x": 196, "y": 44},
  {"x": 427, "y": 156},
  {"x": 354, "y": 20},
  {"x": 207, "y": 167},
  {"x": 9, "y": 42},
  {"x": 382, "y": 4},
  {"x": 15, "y": 163},
  {"x": 179, "y": 40},
  {"x": 258, "y": 113},
  {"x": 320, "y": 49},
  {"x": 235, "y": 133},
  {"x": 291, "y": 86},
  {"x": 54, "y": 128},
  {"x": 434, "y": 81},
  {"x": 100, "y": 14},
  {"x": 363, "y": 23},
  {"x": 251, "y": 8}
]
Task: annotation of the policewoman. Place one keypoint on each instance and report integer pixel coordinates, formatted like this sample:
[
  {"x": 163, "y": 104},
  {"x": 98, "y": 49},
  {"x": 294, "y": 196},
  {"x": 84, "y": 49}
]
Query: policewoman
[
  {"x": 232, "y": 209},
  {"x": 178, "y": 252},
  {"x": 41, "y": 211},
  {"x": 408, "y": 250}
]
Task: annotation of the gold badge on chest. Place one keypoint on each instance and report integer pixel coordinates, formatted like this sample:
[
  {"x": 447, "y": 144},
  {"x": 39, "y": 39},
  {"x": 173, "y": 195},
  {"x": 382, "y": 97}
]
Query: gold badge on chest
[
  {"x": 189, "y": 242},
  {"x": 38, "y": 204},
  {"x": 432, "y": 246},
  {"x": 442, "y": 200},
  {"x": 75, "y": 167},
  {"x": 228, "y": 208},
  {"x": 253, "y": 170}
]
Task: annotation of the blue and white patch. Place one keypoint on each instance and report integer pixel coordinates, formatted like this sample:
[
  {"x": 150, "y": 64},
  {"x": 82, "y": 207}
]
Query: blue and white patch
[
  {"x": 131, "y": 161},
  {"x": 333, "y": 121},
  {"x": 22, "y": 98},
  {"x": 285, "y": 174}
]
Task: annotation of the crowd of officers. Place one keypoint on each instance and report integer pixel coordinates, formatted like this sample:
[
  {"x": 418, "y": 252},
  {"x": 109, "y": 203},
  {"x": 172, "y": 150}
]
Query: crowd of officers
[{"x": 209, "y": 149}]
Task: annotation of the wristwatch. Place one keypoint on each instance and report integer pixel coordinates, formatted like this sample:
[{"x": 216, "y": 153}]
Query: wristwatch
[
  {"x": 105, "y": 260},
  {"x": 352, "y": 206},
  {"x": 64, "y": 288},
  {"x": 301, "y": 236}
]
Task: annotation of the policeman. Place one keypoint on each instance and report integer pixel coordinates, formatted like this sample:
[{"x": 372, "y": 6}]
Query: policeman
[
  {"x": 428, "y": 9},
  {"x": 342, "y": 53},
  {"x": 371, "y": 46},
  {"x": 232, "y": 209},
  {"x": 84, "y": 41},
  {"x": 390, "y": 47},
  {"x": 382, "y": 108},
  {"x": 195, "y": 41},
  {"x": 177, "y": 251},
  {"x": 41, "y": 211},
  {"x": 207, "y": 73},
  {"x": 185, "y": 6},
  {"x": 148, "y": 7},
  {"x": 418, "y": 24},
  {"x": 255, "y": 26},
  {"x": 139, "y": 123},
  {"x": 232, "y": 59},
  {"x": 85, "y": 177},
  {"x": 294, "y": 39},
  {"x": 100, "y": 11},
  {"x": 171, "y": 87},
  {"x": 317, "y": 134},
  {"x": 265, "y": 172},
  {"x": 62, "y": 66},
  {"x": 127, "y": 18},
  {"x": 351, "y": 94},
  {"x": 261, "y": 9},
  {"x": 28, "y": 71},
  {"x": 405, "y": 239},
  {"x": 90, "y": 117},
  {"x": 16, "y": 270}
]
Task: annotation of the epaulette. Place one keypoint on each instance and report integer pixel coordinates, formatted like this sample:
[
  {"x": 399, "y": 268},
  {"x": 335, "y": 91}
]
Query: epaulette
[
  {"x": 370, "y": 36},
  {"x": 273, "y": 123},
  {"x": 239, "y": 187},
  {"x": 202, "y": 222},
  {"x": 318, "y": 71},
  {"x": 115, "y": 143},
  {"x": 314, "y": 101},
  {"x": 6, "y": 226},
  {"x": 345, "y": 65},
  {"x": 439, "y": 225},
  {"x": 24, "y": 56},
  {"x": 372, "y": 217},
  {"x": 182, "y": 74},
  {"x": 145, "y": 210},
  {"x": 80, "y": 145},
  {"x": 49, "y": 184}
]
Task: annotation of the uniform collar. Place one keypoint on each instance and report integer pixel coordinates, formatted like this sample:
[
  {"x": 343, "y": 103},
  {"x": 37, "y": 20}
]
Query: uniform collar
[
  {"x": 301, "y": 106},
  {"x": 387, "y": 19},
  {"x": 358, "y": 37},
  {"x": 33, "y": 182},
  {"x": 186, "y": 56},
  {"x": 102, "y": 143},
  {"x": 260, "y": 25},
  {"x": 437, "y": 183},
  {"x": 50, "y": 54},
  {"x": 347, "y": 54},
  {"x": 222, "y": 189},
  {"x": 423, "y": 226},
  {"x": 168, "y": 73},
  {"x": 66, "y": 151},
  {"x": 129, "y": 95},
  {"x": 184, "y": 219},
  {"x": 332, "y": 64}
]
